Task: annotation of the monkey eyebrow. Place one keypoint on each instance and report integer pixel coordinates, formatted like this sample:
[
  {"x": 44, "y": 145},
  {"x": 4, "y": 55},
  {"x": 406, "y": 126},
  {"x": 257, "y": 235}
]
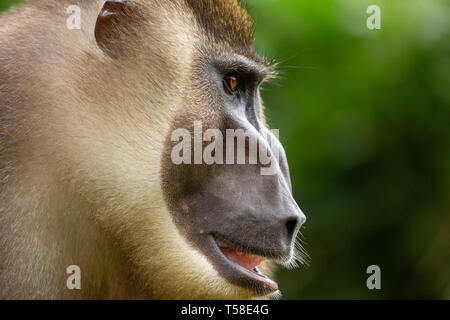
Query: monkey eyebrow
[{"x": 246, "y": 65}]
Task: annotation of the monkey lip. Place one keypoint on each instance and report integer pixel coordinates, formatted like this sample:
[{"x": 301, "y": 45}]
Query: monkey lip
[{"x": 244, "y": 266}]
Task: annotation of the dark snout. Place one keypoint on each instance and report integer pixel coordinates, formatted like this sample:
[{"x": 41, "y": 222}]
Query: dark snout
[
  {"x": 254, "y": 211},
  {"x": 237, "y": 203},
  {"x": 236, "y": 213}
]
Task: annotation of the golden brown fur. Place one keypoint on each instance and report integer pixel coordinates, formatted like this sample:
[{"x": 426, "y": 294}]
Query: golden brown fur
[
  {"x": 42, "y": 74},
  {"x": 81, "y": 137}
]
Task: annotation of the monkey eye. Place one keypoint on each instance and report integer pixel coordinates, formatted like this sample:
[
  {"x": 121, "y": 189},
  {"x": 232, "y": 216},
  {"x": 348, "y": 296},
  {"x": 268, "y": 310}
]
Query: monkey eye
[{"x": 232, "y": 83}]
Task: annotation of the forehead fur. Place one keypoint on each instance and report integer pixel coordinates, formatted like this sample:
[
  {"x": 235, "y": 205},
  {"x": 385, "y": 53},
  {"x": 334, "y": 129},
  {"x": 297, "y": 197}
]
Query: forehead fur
[{"x": 225, "y": 21}]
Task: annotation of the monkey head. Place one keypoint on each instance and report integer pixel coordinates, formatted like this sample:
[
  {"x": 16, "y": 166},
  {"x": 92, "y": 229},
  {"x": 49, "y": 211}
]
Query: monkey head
[{"x": 190, "y": 229}]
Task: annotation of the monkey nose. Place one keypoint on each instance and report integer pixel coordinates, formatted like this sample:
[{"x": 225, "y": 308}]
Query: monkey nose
[{"x": 292, "y": 224}]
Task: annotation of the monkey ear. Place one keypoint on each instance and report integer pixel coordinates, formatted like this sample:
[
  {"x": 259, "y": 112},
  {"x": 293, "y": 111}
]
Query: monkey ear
[{"x": 112, "y": 23}]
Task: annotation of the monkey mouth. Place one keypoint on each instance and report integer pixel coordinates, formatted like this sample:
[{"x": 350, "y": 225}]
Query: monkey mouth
[{"x": 242, "y": 268}]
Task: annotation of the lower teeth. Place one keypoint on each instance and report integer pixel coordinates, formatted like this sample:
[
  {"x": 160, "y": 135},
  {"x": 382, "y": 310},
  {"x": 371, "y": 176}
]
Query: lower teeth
[{"x": 256, "y": 270}]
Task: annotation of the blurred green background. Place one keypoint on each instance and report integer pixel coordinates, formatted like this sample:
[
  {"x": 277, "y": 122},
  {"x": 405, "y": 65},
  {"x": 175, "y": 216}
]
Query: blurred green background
[{"x": 364, "y": 116}]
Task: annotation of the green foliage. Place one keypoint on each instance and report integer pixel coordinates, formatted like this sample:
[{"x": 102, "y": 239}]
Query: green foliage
[
  {"x": 365, "y": 119},
  {"x": 5, "y": 4}
]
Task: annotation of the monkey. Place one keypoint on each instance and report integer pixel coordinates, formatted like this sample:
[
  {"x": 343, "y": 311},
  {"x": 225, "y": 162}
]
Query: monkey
[{"x": 86, "y": 175}]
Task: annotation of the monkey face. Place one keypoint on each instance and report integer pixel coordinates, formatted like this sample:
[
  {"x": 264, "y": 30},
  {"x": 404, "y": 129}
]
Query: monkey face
[{"x": 231, "y": 211}]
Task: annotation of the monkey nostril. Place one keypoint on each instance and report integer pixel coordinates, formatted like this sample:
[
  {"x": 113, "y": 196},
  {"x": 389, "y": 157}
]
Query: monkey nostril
[{"x": 291, "y": 226}]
